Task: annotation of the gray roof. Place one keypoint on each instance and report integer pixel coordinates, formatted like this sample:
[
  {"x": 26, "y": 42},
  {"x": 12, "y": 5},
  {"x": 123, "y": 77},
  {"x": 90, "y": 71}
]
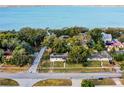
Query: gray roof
[
  {"x": 54, "y": 55},
  {"x": 120, "y": 52},
  {"x": 103, "y": 54}
]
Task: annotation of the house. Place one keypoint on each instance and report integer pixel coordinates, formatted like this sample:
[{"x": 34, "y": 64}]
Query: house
[
  {"x": 114, "y": 44},
  {"x": 103, "y": 56},
  {"x": 106, "y": 37},
  {"x": 58, "y": 57},
  {"x": 7, "y": 54},
  {"x": 64, "y": 36}
]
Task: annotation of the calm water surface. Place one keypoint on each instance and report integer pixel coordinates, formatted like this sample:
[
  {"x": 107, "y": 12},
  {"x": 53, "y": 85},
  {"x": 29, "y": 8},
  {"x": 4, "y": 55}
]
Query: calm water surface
[{"x": 61, "y": 16}]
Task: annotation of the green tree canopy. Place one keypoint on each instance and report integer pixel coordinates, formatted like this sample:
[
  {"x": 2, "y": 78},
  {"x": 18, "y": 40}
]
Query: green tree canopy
[
  {"x": 87, "y": 83},
  {"x": 115, "y": 32},
  {"x": 20, "y": 58},
  {"x": 78, "y": 54},
  {"x": 97, "y": 39},
  {"x": 32, "y": 36},
  {"x": 48, "y": 41},
  {"x": 71, "y": 31},
  {"x": 59, "y": 46},
  {"x": 118, "y": 57},
  {"x": 96, "y": 34},
  {"x": 1, "y": 54}
]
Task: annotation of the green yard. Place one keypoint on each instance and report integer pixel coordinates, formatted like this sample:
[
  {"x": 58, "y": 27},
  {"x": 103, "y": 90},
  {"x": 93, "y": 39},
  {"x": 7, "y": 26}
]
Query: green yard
[
  {"x": 13, "y": 68},
  {"x": 54, "y": 82},
  {"x": 61, "y": 64},
  {"x": 46, "y": 66},
  {"x": 8, "y": 82},
  {"x": 72, "y": 70},
  {"x": 103, "y": 82}
]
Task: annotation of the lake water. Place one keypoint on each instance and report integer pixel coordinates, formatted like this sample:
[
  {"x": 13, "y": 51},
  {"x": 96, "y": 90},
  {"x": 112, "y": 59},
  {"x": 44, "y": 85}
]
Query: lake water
[{"x": 60, "y": 16}]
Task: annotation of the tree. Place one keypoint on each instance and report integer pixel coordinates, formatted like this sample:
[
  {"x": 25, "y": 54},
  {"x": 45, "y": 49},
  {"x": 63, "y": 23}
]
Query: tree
[
  {"x": 78, "y": 54},
  {"x": 1, "y": 55},
  {"x": 59, "y": 46},
  {"x": 115, "y": 32},
  {"x": 27, "y": 47},
  {"x": 48, "y": 41},
  {"x": 122, "y": 66},
  {"x": 4, "y": 43},
  {"x": 87, "y": 83},
  {"x": 96, "y": 34},
  {"x": 10, "y": 43},
  {"x": 121, "y": 38},
  {"x": 118, "y": 57},
  {"x": 99, "y": 46},
  {"x": 97, "y": 39},
  {"x": 72, "y": 41},
  {"x": 20, "y": 58},
  {"x": 32, "y": 36},
  {"x": 72, "y": 31}
]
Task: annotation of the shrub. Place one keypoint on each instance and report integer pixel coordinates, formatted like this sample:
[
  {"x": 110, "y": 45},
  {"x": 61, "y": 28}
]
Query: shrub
[
  {"x": 119, "y": 57},
  {"x": 87, "y": 83},
  {"x": 122, "y": 66}
]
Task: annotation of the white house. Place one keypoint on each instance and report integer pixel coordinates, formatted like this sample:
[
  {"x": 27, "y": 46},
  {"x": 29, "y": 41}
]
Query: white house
[
  {"x": 64, "y": 37},
  {"x": 103, "y": 56},
  {"x": 106, "y": 37},
  {"x": 58, "y": 57}
]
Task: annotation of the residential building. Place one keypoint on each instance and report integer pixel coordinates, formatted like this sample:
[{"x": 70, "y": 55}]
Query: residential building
[
  {"x": 58, "y": 57},
  {"x": 64, "y": 36},
  {"x": 102, "y": 56},
  {"x": 7, "y": 54},
  {"x": 115, "y": 44},
  {"x": 106, "y": 37}
]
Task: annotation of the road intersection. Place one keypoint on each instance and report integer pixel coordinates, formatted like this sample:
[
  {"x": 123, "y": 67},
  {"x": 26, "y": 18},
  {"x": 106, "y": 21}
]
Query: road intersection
[{"x": 27, "y": 79}]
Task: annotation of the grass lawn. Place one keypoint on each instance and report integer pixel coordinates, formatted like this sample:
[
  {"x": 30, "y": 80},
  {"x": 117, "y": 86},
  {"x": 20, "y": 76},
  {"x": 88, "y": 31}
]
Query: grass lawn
[
  {"x": 103, "y": 82},
  {"x": 54, "y": 82},
  {"x": 106, "y": 64},
  {"x": 95, "y": 64},
  {"x": 46, "y": 66},
  {"x": 8, "y": 82},
  {"x": 74, "y": 70},
  {"x": 119, "y": 62},
  {"x": 60, "y": 64},
  {"x": 13, "y": 68}
]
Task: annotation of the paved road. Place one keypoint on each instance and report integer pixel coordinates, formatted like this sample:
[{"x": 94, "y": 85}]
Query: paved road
[
  {"x": 33, "y": 68},
  {"x": 30, "y": 77},
  {"x": 59, "y": 75},
  {"x": 117, "y": 81}
]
